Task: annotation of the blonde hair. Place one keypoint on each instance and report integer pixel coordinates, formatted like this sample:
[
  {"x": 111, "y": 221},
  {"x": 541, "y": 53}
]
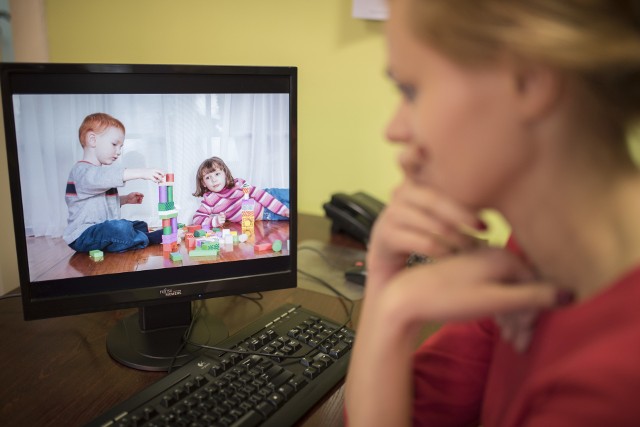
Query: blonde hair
[
  {"x": 97, "y": 123},
  {"x": 597, "y": 41}
]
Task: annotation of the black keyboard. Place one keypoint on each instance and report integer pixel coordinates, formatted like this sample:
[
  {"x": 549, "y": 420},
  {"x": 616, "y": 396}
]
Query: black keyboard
[{"x": 246, "y": 389}]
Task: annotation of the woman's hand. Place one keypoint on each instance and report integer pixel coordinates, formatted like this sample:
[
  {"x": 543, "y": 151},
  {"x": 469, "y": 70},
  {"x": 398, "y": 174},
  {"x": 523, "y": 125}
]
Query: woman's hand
[
  {"x": 480, "y": 283},
  {"x": 417, "y": 219},
  {"x": 469, "y": 285}
]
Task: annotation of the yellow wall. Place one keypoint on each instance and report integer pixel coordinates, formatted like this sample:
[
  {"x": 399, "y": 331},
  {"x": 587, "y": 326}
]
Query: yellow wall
[{"x": 344, "y": 98}]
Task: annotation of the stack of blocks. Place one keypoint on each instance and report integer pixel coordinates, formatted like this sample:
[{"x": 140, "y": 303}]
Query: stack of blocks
[
  {"x": 169, "y": 215},
  {"x": 248, "y": 216}
]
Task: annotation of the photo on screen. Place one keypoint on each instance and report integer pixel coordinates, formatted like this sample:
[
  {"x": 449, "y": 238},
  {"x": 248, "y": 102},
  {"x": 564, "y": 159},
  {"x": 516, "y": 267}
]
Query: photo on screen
[{"x": 173, "y": 133}]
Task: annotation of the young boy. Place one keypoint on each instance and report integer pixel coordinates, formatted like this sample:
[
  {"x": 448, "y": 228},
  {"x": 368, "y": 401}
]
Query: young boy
[{"x": 92, "y": 195}]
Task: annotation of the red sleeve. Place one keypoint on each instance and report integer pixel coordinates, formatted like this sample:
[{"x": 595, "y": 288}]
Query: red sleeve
[{"x": 450, "y": 371}]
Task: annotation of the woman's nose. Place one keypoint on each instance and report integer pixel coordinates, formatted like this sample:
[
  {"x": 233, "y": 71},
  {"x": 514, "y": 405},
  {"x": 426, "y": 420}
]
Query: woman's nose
[{"x": 398, "y": 128}]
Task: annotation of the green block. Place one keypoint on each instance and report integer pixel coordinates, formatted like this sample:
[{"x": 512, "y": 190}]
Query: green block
[
  {"x": 199, "y": 233},
  {"x": 168, "y": 215},
  {"x": 167, "y": 206},
  {"x": 96, "y": 252},
  {"x": 201, "y": 252},
  {"x": 175, "y": 256},
  {"x": 167, "y": 230},
  {"x": 277, "y": 246}
]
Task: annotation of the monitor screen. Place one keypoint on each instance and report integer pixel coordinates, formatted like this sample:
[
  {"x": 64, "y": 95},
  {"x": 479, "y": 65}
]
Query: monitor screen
[{"x": 150, "y": 186}]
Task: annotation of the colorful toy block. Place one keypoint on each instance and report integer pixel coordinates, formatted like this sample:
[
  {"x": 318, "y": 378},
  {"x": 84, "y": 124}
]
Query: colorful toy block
[
  {"x": 203, "y": 253},
  {"x": 175, "y": 256},
  {"x": 96, "y": 255},
  {"x": 261, "y": 247},
  {"x": 277, "y": 246}
]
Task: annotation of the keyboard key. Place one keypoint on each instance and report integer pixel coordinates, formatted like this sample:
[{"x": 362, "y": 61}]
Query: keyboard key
[
  {"x": 265, "y": 409},
  {"x": 250, "y": 419},
  {"x": 298, "y": 382},
  {"x": 276, "y": 399}
]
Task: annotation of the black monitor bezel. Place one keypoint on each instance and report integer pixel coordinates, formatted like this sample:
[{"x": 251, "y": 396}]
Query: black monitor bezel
[{"x": 142, "y": 288}]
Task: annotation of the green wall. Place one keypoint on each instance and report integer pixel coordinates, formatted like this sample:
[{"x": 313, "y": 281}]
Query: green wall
[{"x": 344, "y": 97}]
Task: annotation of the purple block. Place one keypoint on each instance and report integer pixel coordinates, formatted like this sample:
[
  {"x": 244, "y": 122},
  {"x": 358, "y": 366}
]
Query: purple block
[
  {"x": 174, "y": 224},
  {"x": 162, "y": 194},
  {"x": 169, "y": 238}
]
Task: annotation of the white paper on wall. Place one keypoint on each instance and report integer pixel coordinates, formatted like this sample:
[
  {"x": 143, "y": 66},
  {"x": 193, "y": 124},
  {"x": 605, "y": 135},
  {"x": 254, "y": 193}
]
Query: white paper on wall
[{"x": 370, "y": 9}]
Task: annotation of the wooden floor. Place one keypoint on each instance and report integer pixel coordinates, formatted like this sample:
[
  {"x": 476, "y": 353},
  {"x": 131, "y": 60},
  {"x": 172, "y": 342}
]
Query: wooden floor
[{"x": 50, "y": 258}]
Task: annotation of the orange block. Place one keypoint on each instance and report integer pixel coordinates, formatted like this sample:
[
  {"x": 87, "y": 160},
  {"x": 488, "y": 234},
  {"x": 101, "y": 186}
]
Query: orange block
[
  {"x": 193, "y": 228},
  {"x": 191, "y": 242},
  {"x": 261, "y": 247}
]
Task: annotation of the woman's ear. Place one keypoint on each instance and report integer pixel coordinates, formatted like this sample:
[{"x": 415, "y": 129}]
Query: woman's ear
[{"x": 538, "y": 89}]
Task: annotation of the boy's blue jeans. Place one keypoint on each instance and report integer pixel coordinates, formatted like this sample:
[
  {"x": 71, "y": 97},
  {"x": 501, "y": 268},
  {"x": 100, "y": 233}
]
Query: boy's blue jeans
[
  {"x": 280, "y": 194},
  {"x": 117, "y": 235}
]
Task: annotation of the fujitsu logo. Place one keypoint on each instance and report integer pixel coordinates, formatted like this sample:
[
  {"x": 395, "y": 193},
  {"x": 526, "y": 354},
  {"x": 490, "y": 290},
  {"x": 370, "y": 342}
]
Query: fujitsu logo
[{"x": 170, "y": 292}]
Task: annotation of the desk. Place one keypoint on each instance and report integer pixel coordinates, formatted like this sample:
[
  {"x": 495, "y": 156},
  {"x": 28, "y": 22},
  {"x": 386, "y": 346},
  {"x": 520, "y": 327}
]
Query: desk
[{"x": 56, "y": 372}]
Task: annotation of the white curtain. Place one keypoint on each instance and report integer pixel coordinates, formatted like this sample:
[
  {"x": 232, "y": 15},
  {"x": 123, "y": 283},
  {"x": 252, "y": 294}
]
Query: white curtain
[{"x": 174, "y": 133}]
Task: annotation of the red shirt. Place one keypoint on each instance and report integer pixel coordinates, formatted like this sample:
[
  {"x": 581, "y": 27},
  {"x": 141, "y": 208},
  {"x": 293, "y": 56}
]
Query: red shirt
[{"x": 582, "y": 368}]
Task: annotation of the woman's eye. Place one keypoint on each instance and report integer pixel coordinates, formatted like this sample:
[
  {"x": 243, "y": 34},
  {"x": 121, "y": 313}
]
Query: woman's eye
[{"x": 408, "y": 91}]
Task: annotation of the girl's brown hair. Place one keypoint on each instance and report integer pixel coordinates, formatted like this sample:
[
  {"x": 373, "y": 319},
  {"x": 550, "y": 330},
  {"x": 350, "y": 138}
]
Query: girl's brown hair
[{"x": 210, "y": 165}]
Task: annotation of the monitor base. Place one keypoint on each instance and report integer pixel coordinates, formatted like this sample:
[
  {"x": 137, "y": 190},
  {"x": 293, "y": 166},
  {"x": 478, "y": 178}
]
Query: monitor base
[{"x": 157, "y": 349}]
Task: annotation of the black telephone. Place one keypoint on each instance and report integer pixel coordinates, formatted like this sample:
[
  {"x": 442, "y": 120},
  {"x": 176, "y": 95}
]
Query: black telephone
[{"x": 353, "y": 214}]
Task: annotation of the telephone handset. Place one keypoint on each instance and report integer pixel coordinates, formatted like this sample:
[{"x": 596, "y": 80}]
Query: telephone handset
[{"x": 353, "y": 214}]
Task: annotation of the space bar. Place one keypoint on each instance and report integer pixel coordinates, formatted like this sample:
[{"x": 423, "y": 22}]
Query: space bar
[{"x": 250, "y": 419}]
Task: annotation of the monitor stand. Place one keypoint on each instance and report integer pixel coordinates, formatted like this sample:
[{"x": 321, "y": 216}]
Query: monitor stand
[{"x": 149, "y": 340}]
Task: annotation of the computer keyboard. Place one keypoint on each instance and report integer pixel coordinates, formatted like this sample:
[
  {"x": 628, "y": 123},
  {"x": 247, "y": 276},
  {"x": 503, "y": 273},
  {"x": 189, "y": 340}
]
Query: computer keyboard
[{"x": 243, "y": 388}]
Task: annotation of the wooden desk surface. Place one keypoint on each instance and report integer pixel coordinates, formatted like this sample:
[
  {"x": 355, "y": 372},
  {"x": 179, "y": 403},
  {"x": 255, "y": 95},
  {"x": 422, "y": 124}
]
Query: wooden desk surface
[{"x": 56, "y": 372}]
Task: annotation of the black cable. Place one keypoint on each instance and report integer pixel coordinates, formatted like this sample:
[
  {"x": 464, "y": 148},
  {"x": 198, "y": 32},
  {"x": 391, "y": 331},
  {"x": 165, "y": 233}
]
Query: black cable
[
  {"x": 185, "y": 339},
  {"x": 257, "y": 298},
  {"x": 319, "y": 252},
  {"x": 343, "y": 299}
]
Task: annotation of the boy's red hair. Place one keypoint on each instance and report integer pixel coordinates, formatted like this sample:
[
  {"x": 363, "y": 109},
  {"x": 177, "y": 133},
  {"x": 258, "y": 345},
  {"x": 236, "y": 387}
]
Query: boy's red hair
[{"x": 97, "y": 123}]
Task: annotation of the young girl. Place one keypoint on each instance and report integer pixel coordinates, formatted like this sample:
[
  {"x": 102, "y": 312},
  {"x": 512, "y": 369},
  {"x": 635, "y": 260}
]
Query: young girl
[
  {"x": 521, "y": 106},
  {"x": 222, "y": 197}
]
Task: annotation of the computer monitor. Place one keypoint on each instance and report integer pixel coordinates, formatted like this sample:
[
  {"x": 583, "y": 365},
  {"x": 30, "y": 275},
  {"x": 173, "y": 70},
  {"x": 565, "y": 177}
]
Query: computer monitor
[{"x": 175, "y": 117}]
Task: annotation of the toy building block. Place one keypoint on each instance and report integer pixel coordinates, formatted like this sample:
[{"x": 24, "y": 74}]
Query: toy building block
[
  {"x": 175, "y": 256},
  {"x": 96, "y": 255},
  {"x": 168, "y": 214},
  {"x": 203, "y": 253},
  {"x": 191, "y": 242},
  {"x": 200, "y": 233},
  {"x": 261, "y": 247},
  {"x": 193, "y": 228},
  {"x": 207, "y": 246},
  {"x": 248, "y": 216},
  {"x": 243, "y": 238},
  {"x": 277, "y": 246}
]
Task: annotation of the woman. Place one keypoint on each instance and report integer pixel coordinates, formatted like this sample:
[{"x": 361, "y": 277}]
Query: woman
[{"x": 523, "y": 107}]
